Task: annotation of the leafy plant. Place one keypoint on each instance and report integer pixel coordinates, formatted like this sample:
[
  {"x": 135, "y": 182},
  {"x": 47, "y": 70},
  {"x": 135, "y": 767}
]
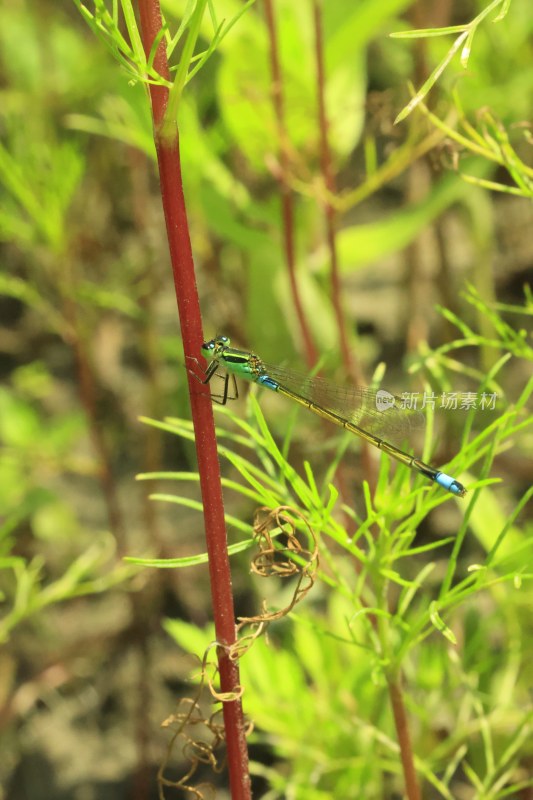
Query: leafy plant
[
  {"x": 392, "y": 603},
  {"x": 285, "y": 117}
]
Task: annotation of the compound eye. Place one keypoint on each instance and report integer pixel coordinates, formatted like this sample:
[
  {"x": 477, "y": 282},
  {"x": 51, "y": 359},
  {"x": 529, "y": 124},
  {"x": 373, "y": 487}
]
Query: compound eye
[{"x": 223, "y": 339}]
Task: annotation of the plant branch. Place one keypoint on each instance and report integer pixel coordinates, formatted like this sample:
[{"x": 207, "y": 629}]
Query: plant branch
[
  {"x": 412, "y": 789},
  {"x": 351, "y": 364},
  {"x": 287, "y": 198},
  {"x": 168, "y": 156}
]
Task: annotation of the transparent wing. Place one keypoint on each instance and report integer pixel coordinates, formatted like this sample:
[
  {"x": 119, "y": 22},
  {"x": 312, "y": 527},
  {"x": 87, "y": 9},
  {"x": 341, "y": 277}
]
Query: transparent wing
[{"x": 377, "y": 411}]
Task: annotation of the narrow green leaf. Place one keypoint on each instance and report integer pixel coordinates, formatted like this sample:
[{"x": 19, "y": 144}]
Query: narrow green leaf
[
  {"x": 433, "y": 78},
  {"x": 439, "y": 623},
  {"x": 186, "y": 561},
  {"x": 422, "y": 33}
]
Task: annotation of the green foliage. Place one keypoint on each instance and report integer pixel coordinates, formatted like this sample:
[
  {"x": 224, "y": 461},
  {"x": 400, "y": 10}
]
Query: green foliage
[
  {"x": 32, "y": 447},
  {"x": 447, "y": 581},
  {"x": 362, "y": 244},
  {"x": 316, "y": 697},
  {"x": 244, "y": 93},
  {"x": 463, "y": 44},
  {"x": 245, "y": 122},
  {"x": 488, "y": 137},
  {"x": 28, "y": 592},
  {"x": 393, "y": 601}
]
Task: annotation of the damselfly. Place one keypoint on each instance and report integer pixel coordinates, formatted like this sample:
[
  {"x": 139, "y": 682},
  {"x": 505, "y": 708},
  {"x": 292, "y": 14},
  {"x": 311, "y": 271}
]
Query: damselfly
[{"x": 356, "y": 410}]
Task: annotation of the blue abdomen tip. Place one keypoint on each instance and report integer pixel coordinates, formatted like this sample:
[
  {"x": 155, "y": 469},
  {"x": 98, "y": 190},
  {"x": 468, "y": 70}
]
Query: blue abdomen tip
[{"x": 449, "y": 483}]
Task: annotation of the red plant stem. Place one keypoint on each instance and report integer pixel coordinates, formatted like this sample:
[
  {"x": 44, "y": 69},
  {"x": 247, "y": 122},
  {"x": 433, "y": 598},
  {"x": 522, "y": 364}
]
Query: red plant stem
[
  {"x": 201, "y": 408},
  {"x": 412, "y": 789},
  {"x": 287, "y": 200},
  {"x": 350, "y": 362}
]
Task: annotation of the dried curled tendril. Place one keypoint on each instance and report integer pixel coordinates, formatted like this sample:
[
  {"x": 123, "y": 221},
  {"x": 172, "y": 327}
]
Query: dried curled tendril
[
  {"x": 199, "y": 735},
  {"x": 278, "y": 533},
  {"x": 282, "y": 554}
]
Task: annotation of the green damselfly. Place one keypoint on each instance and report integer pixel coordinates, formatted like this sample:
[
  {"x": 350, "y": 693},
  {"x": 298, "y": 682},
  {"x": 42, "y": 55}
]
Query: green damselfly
[{"x": 356, "y": 410}]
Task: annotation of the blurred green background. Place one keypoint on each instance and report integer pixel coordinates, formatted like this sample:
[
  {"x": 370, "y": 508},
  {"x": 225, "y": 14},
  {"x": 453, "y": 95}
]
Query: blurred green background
[{"x": 89, "y": 335}]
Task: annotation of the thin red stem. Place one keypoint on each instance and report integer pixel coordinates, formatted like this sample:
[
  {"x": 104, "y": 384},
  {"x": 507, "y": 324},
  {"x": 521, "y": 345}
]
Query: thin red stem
[
  {"x": 412, "y": 789},
  {"x": 350, "y": 362},
  {"x": 201, "y": 408},
  {"x": 287, "y": 198}
]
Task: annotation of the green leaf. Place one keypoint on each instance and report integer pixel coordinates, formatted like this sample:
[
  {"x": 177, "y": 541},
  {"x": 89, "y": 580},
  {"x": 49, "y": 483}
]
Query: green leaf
[
  {"x": 186, "y": 561},
  {"x": 361, "y": 245},
  {"x": 433, "y": 78},
  {"x": 439, "y": 623},
  {"x": 191, "y": 638}
]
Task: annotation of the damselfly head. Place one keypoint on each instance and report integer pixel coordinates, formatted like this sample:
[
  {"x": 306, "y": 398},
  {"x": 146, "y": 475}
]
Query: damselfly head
[{"x": 215, "y": 346}]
